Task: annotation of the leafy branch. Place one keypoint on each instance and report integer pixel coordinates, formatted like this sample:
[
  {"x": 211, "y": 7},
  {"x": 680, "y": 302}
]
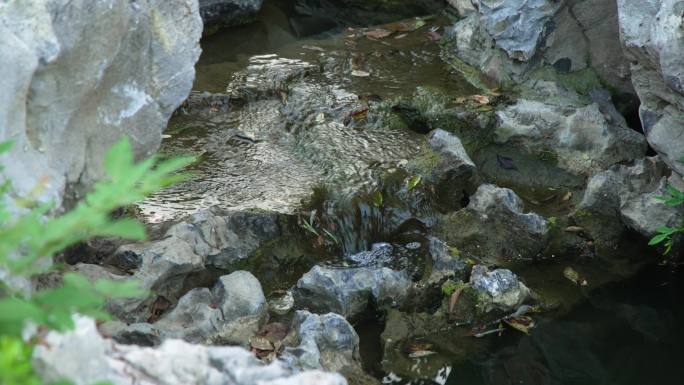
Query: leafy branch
[{"x": 666, "y": 235}]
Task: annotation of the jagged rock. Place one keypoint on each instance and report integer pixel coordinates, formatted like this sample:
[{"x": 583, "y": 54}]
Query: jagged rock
[
  {"x": 325, "y": 342},
  {"x": 585, "y": 139},
  {"x": 586, "y": 33},
  {"x": 212, "y": 238},
  {"x": 225, "y": 13},
  {"x": 85, "y": 357},
  {"x": 653, "y": 38},
  {"x": 518, "y": 36},
  {"x": 454, "y": 173},
  {"x": 446, "y": 263},
  {"x": 625, "y": 197},
  {"x": 231, "y": 312},
  {"x": 349, "y": 291},
  {"x": 500, "y": 289},
  {"x": 464, "y": 7},
  {"x": 493, "y": 227},
  {"x": 67, "y": 94}
]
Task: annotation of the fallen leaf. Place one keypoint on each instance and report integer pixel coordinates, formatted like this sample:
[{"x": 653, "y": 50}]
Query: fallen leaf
[
  {"x": 453, "y": 299},
  {"x": 403, "y": 35},
  {"x": 360, "y": 114},
  {"x": 405, "y": 26},
  {"x": 567, "y": 196},
  {"x": 523, "y": 323},
  {"x": 378, "y": 33},
  {"x": 360, "y": 73},
  {"x": 421, "y": 353},
  {"x": 377, "y": 199},
  {"x": 482, "y": 99},
  {"x": 313, "y": 48},
  {"x": 261, "y": 343},
  {"x": 574, "y": 229},
  {"x": 505, "y": 162},
  {"x": 571, "y": 275}
]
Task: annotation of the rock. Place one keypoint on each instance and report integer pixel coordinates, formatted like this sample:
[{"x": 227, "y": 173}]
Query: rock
[
  {"x": 446, "y": 262},
  {"x": 500, "y": 289},
  {"x": 493, "y": 227},
  {"x": 653, "y": 39},
  {"x": 464, "y": 7},
  {"x": 85, "y": 357},
  {"x": 350, "y": 291},
  {"x": 518, "y": 36},
  {"x": 69, "y": 93},
  {"x": 585, "y": 139},
  {"x": 231, "y": 312},
  {"x": 625, "y": 197},
  {"x": 454, "y": 173},
  {"x": 212, "y": 238},
  {"x": 586, "y": 33},
  {"x": 226, "y": 13},
  {"x": 325, "y": 342}
]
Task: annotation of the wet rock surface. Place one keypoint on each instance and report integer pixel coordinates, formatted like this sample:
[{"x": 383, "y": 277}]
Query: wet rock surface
[{"x": 226, "y": 13}]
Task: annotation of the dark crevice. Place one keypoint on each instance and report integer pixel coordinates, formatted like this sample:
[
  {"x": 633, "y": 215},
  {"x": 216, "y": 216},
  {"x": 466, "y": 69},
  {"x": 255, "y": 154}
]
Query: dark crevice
[{"x": 628, "y": 105}]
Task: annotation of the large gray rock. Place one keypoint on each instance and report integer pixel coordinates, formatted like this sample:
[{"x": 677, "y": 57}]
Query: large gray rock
[
  {"x": 325, "y": 342},
  {"x": 625, "y": 197},
  {"x": 350, "y": 291},
  {"x": 494, "y": 228},
  {"x": 585, "y": 139},
  {"x": 79, "y": 75},
  {"x": 218, "y": 13},
  {"x": 653, "y": 37},
  {"x": 85, "y": 357}
]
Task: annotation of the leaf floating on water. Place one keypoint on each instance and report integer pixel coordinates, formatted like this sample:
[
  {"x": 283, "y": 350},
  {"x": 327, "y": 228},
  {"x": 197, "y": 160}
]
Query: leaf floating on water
[
  {"x": 313, "y": 48},
  {"x": 360, "y": 114},
  {"x": 505, "y": 162},
  {"x": 405, "y": 26},
  {"x": 571, "y": 275},
  {"x": 378, "y": 33},
  {"x": 523, "y": 323},
  {"x": 360, "y": 73},
  {"x": 421, "y": 353},
  {"x": 413, "y": 182},
  {"x": 377, "y": 199}
]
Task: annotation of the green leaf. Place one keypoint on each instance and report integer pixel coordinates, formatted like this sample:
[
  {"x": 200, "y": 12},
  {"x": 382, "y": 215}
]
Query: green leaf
[
  {"x": 413, "y": 182},
  {"x": 658, "y": 239},
  {"x": 6, "y": 146},
  {"x": 123, "y": 228},
  {"x": 119, "y": 159},
  {"x": 377, "y": 199}
]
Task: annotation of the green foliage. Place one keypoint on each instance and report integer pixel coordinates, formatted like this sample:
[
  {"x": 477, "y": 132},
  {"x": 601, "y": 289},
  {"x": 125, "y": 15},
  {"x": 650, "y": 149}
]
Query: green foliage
[
  {"x": 666, "y": 235},
  {"x": 30, "y": 240}
]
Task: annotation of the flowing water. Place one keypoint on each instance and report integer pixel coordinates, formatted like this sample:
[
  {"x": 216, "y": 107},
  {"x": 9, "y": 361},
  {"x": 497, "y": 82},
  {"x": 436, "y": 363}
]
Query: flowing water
[{"x": 303, "y": 122}]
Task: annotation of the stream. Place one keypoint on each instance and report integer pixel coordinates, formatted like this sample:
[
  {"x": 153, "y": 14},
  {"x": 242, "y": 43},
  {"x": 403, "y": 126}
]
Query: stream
[{"x": 307, "y": 127}]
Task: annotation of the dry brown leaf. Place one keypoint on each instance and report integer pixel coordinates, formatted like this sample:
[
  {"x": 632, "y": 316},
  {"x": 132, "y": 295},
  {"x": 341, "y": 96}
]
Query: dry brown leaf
[{"x": 378, "y": 33}]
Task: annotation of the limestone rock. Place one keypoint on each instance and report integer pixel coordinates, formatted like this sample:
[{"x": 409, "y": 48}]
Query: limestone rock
[
  {"x": 85, "y": 357},
  {"x": 501, "y": 289},
  {"x": 349, "y": 291},
  {"x": 79, "y": 75},
  {"x": 585, "y": 139},
  {"x": 493, "y": 227},
  {"x": 325, "y": 342}
]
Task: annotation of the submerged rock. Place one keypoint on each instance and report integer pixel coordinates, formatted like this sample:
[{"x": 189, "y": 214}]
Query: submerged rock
[
  {"x": 80, "y": 75},
  {"x": 85, "y": 357},
  {"x": 494, "y": 228},
  {"x": 350, "y": 291}
]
